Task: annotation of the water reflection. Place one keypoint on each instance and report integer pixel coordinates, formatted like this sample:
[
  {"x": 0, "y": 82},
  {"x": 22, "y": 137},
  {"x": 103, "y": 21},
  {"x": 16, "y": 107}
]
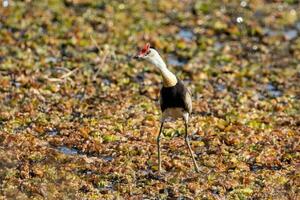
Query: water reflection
[
  {"x": 272, "y": 91},
  {"x": 218, "y": 45},
  {"x": 298, "y": 26},
  {"x": 5, "y": 3},
  {"x": 175, "y": 61},
  {"x": 186, "y": 34},
  {"x": 290, "y": 34},
  {"x": 243, "y": 4},
  {"x": 239, "y": 20},
  {"x": 220, "y": 87},
  {"x": 67, "y": 151}
]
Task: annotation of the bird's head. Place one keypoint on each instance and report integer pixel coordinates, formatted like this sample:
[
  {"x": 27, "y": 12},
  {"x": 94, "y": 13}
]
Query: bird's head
[
  {"x": 152, "y": 56},
  {"x": 147, "y": 53}
]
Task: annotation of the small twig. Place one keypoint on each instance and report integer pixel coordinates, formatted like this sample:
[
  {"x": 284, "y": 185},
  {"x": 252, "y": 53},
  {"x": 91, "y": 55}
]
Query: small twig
[
  {"x": 62, "y": 69},
  {"x": 95, "y": 43},
  {"x": 54, "y": 79},
  {"x": 102, "y": 62},
  {"x": 65, "y": 76},
  {"x": 69, "y": 73},
  {"x": 101, "y": 65}
]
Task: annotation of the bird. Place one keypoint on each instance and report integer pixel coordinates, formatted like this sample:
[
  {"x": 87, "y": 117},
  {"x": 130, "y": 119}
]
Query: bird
[{"x": 175, "y": 98}]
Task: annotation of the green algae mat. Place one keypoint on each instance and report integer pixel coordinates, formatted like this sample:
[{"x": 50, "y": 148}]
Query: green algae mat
[{"x": 79, "y": 117}]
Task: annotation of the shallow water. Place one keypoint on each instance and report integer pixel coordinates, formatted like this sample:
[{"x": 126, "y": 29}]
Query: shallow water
[
  {"x": 175, "y": 61},
  {"x": 5, "y": 3},
  {"x": 186, "y": 34},
  {"x": 272, "y": 91},
  {"x": 218, "y": 45},
  {"x": 298, "y": 26},
  {"x": 107, "y": 158},
  {"x": 290, "y": 34},
  {"x": 67, "y": 150},
  {"x": 220, "y": 87}
]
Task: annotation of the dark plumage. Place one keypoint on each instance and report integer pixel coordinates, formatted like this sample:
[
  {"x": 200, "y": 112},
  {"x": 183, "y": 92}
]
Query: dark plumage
[{"x": 177, "y": 96}]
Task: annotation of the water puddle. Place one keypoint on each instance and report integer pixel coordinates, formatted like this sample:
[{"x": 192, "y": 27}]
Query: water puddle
[
  {"x": 106, "y": 81},
  {"x": 107, "y": 158},
  {"x": 290, "y": 34},
  {"x": 220, "y": 87},
  {"x": 272, "y": 91},
  {"x": 186, "y": 34},
  {"x": 255, "y": 168},
  {"x": 218, "y": 46},
  {"x": 5, "y": 3},
  {"x": 298, "y": 26},
  {"x": 16, "y": 83},
  {"x": 73, "y": 151},
  {"x": 270, "y": 32},
  {"x": 175, "y": 61},
  {"x": 67, "y": 150}
]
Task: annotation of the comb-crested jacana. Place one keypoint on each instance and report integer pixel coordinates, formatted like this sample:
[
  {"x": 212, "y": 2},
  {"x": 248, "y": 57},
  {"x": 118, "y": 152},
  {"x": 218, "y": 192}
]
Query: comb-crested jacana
[{"x": 175, "y": 98}]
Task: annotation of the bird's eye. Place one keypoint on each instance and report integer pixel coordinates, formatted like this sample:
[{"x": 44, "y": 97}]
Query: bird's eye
[{"x": 147, "y": 53}]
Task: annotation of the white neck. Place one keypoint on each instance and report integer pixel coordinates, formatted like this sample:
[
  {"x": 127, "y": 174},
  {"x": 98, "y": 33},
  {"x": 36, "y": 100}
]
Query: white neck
[{"x": 169, "y": 79}]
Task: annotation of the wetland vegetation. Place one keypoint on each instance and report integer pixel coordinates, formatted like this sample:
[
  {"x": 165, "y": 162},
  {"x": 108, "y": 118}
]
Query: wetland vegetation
[{"x": 79, "y": 117}]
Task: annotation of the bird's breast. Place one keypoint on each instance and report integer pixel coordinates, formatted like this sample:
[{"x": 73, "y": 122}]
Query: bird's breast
[{"x": 175, "y": 97}]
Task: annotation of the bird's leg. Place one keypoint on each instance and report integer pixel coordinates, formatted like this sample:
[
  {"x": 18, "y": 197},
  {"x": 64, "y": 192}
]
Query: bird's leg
[
  {"x": 189, "y": 146},
  {"x": 158, "y": 147}
]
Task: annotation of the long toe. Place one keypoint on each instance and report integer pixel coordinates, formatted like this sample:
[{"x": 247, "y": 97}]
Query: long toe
[{"x": 197, "y": 169}]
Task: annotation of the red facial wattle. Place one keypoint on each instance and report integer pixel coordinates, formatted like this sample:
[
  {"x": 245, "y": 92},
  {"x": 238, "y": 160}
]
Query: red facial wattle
[{"x": 145, "y": 49}]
